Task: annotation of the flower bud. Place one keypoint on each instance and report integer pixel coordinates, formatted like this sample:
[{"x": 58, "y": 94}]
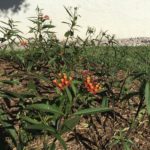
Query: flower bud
[{"x": 54, "y": 81}]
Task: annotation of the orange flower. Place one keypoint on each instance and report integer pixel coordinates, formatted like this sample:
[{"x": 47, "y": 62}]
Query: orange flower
[
  {"x": 63, "y": 81},
  {"x": 91, "y": 86},
  {"x": 23, "y": 43},
  {"x": 67, "y": 82},
  {"x": 55, "y": 81},
  {"x": 64, "y": 76},
  {"x": 60, "y": 85},
  {"x": 46, "y": 17}
]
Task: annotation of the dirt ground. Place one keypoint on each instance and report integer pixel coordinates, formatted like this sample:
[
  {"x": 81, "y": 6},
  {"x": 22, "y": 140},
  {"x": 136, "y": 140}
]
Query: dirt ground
[{"x": 96, "y": 132}]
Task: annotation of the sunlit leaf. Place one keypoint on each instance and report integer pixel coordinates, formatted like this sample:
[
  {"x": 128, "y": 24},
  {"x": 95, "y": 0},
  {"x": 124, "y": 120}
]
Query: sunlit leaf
[
  {"x": 92, "y": 111},
  {"x": 69, "y": 94},
  {"x": 30, "y": 120},
  {"x": 45, "y": 108}
]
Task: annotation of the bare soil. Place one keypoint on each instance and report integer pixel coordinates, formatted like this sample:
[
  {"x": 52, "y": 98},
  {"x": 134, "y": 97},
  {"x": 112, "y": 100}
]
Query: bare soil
[{"x": 95, "y": 132}]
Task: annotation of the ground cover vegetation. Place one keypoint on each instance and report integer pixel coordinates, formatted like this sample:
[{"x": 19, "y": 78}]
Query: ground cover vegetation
[{"x": 74, "y": 94}]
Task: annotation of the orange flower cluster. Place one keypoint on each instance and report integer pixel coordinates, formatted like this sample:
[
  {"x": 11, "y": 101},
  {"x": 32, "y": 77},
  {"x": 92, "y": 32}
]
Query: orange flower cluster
[
  {"x": 63, "y": 81},
  {"x": 23, "y": 43},
  {"x": 91, "y": 86},
  {"x": 45, "y": 17}
]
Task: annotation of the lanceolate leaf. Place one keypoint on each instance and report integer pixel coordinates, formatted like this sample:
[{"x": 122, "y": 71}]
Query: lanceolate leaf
[
  {"x": 45, "y": 108},
  {"x": 41, "y": 127},
  {"x": 92, "y": 111},
  {"x": 30, "y": 120},
  {"x": 44, "y": 127},
  {"x": 126, "y": 146},
  {"x": 70, "y": 123},
  {"x": 74, "y": 89},
  {"x": 13, "y": 82},
  {"x": 147, "y": 97},
  {"x": 48, "y": 26},
  {"x": 68, "y": 11},
  {"x": 105, "y": 102},
  {"x": 66, "y": 23},
  {"x": 52, "y": 146},
  {"x": 61, "y": 141},
  {"x": 8, "y": 126},
  {"x": 69, "y": 94}
]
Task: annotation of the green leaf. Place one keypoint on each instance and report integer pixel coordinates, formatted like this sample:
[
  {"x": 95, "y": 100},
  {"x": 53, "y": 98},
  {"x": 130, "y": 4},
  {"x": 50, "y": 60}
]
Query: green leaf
[
  {"x": 26, "y": 95},
  {"x": 45, "y": 108},
  {"x": 10, "y": 82},
  {"x": 34, "y": 21},
  {"x": 51, "y": 60},
  {"x": 69, "y": 33},
  {"x": 32, "y": 86},
  {"x": 68, "y": 94},
  {"x": 8, "y": 126},
  {"x": 30, "y": 120},
  {"x": 4, "y": 22},
  {"x": 74, "y": 89},
  {"x": 61, "y": 141},
  {"x": 92, "y": 111},
  {"x": 52, "y": 146},
  {"x": 147, "y": 97},
  {"x": 50, "y": 129},
  {"x": 115, "y": 142},
  {"x": 69, "y": 124},
  {"x": 41, "y": 77},
  {"x": 40, "y": 127},
  {"x": 48, "y": 26},
  {"x": 30, "y": 65},
  {"x": 9, "y": 94},
  {"x": 105, "y": 102},
  {"x": 126, "y": 146},
  {"x": 66, "y": 23},
  {"x": 68, "y": 11}
]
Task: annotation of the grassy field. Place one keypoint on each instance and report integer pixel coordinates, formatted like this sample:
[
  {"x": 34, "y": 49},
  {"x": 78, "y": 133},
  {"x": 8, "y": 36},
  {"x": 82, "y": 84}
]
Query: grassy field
[{"x": 75, "y": 94}]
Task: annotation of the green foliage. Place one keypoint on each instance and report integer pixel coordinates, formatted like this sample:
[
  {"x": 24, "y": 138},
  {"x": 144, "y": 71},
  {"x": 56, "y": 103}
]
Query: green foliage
[
  {"x": 122, "y": 140},
  {"x": 10, "y": 33},
  {"x": 147, "y": 97},
  {"x": 44, "y": 110},
  {"x": 92, "y": 110},
  {"x": 70, "y": 123}
]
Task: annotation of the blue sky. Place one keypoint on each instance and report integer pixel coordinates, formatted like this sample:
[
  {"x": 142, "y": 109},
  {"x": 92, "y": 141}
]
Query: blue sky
[{"x": 124, "y": 18}]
